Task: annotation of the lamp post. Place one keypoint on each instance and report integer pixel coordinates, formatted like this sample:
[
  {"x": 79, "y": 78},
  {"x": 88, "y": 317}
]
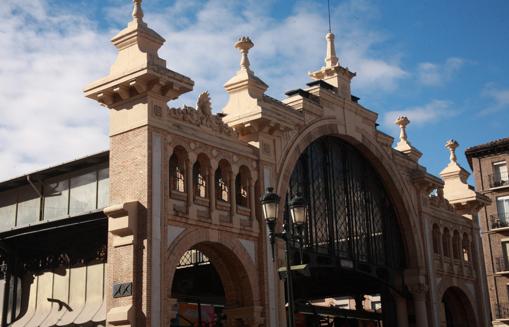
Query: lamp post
[{"x": 298, "y": 212}]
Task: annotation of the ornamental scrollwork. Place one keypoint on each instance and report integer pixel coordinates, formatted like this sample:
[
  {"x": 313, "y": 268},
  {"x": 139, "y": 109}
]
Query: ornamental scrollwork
[{"x": 202, "y": 116}]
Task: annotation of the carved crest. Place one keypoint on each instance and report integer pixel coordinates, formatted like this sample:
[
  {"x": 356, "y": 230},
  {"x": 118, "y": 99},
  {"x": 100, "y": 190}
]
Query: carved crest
[
  {"x": 202, "y": 116},
  {"x": 203, "y": 104}
]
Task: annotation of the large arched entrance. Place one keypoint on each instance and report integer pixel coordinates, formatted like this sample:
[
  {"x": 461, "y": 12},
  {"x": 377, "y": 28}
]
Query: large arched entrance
[
  {"x": 456, "y": 309},
  {"x": 352, "y": 241},
  {"x": 212, "y": 284}
]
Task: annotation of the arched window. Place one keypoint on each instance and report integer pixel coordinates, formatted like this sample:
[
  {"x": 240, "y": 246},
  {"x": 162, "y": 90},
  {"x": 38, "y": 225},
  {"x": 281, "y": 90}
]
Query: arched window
[
  {"x": 446, "y": 243},
  {"x": 436, "y": 239},
  {"x": 465, "y": 248},
  {"x": 242, "y": 187},
  {"x": 178, "y": 170},
  {"x": 222, "y": 181},
  {"x": 456, "y": 252},
  {"x": 200, "y": 176}
]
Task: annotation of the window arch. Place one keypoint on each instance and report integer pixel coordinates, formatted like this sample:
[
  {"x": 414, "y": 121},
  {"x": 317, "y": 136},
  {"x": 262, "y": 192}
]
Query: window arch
[
  {"x": 436, "y": 239},
  {"x": 242, "y": 181},
  {"x": 201, "y": 176},
  {"x": 222, "y": 181},
  {"x": 178, "y": 170},
  {"x": 456, "y": 251},
  {"x": 465, "y": 247},
  {"x": 446, "y": 243}
]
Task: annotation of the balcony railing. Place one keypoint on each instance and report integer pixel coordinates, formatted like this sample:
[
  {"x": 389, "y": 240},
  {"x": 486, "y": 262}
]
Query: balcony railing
[
  {"x": 502, "y": 310},
  {"x": 497, "y": 180},
  {"x": 501, "y": 264},
  {"x": 499, "y": 220}
]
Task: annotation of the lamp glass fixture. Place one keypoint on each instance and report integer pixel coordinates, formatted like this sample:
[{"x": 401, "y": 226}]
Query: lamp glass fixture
[
  {"x": 270, "y": 204},
  {"x": 298, "y": 210}
]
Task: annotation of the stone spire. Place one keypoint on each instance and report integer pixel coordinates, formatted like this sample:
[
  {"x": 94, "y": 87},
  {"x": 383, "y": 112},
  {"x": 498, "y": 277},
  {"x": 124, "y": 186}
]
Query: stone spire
[
  {"x": 138, "y": 69},
  {"x": 137, "y": 11},
  {"x": 403, "y": 144},
  {"x": 330, "y": 59},
  {"x": 456, "y": 189},
  {"x": 245, "y": 79},
  {"x": 248, "y": 109},
  {"x": 452, "y": 145},
  {"x": 244, "y": 44},
  {"x": 333, "y": 73}
]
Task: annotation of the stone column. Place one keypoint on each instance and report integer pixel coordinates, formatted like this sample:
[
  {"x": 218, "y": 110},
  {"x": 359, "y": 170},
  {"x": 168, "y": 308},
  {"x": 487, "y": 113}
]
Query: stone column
[
  {"x": 419, "y": 291},
  {"x": 401, "y": 310},
  {"x": 122, "y": 242},
  {"x": 252, "y": 200},
  {"x": 189, "y": 184},
  {"x": 211, "y": 184},
  {"x": 233, "y": 200}
]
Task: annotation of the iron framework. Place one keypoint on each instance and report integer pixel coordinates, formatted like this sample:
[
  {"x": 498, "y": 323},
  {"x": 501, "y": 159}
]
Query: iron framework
[{"x": 351, "y": 216}]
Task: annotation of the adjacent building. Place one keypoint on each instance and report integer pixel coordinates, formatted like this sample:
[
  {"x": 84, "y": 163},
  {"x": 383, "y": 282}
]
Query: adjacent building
[
  {"x": 166, "y": 228},
  {"x": 489, "y": 164}
]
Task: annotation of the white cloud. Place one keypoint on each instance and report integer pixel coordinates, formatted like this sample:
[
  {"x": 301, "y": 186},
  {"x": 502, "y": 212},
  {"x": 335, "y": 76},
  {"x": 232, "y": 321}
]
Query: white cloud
[
  {"x": 432, "y": 74},
  {"x": 498, "y": 97},
  {"x": 47, "y": 59},
  {"x": 420, "y": 115},
  {"x": 49, "y": 54},
  {"x": 284, "y": 50}
]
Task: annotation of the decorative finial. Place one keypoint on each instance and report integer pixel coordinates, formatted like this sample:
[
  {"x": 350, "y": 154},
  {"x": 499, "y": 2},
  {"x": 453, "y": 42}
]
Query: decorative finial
[
  {"x": 330, "y": 59},
  {"x": 244, "y": 44},
  {"x": 203, "y": 104},
  {"x": 452, "y": 145},
  {"x": 137, "y": 11},
  {"x": 402, "y": 122}
]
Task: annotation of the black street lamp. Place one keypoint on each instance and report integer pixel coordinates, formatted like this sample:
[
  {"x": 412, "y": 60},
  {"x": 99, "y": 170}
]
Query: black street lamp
[{"x": 298, "y": 212}]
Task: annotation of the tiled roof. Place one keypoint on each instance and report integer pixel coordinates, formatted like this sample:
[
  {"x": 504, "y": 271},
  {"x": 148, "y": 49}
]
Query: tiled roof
[
  {"x": 490, "y": 145},
  {"x": 489, "y": 148}
]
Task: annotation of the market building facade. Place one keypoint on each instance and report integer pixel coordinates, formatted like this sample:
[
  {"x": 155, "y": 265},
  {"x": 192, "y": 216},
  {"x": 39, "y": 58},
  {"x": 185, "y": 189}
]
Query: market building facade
[{"x": 166, "y": 228}]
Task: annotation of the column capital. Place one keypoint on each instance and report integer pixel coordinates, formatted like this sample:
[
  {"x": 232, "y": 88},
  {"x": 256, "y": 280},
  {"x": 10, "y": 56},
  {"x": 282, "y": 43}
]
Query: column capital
[{"x": 418, "y": 289}]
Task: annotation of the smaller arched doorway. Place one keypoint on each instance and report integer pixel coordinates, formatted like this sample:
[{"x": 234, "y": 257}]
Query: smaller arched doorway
[
  {"x": 212, "y": 288},
  {"x": 199, "y": 292},
  {"x": 456, "y": 310}
]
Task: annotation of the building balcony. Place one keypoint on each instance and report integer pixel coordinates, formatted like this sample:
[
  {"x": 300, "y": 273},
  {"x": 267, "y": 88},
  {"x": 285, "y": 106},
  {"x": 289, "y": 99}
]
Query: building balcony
[
  {"x": 502, "y": 311},
  {"x": 501, "y": 265},
  {"x": 498, "y": 181},
  {"x": 499, "y": 221}
]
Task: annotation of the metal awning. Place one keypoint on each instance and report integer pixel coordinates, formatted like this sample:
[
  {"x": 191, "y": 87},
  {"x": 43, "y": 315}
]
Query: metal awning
[{"x": 68, "y": 296}]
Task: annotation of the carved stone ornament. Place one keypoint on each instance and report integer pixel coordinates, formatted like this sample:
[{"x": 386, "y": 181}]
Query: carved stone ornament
[
  {"x": 204, "y": 104},
  {"x": 418, "y": 289},
  {"x": 202, "y": 116},
  {"x": 438, "y": 200}
]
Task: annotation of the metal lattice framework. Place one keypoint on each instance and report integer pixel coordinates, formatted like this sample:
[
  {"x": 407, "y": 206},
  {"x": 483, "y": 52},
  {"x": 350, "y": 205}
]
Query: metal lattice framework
[{"x": 350, "y": 213}]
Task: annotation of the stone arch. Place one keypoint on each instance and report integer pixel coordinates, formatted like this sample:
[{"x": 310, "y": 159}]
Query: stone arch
[
  {"x": 236, "y": 268},
  {"x": 457, "y": 309},
  {"x": 201, "y": 176},
  {"x": 456, "y": 247},
  {"x": 178, "y": 169},
  {"x": 446, "y": 243},
  {"x": 242, "y": 186},
  {"x": 388, "y": 173},
  {"x": 436, "y": 239},
  {"x": 223, "y": 180},
  {"x": 465, "y": 248}
]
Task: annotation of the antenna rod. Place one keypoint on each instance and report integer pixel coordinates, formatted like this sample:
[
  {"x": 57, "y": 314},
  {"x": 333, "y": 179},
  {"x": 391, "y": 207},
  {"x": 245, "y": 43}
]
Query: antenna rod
[{"x": 328, "y": 6}]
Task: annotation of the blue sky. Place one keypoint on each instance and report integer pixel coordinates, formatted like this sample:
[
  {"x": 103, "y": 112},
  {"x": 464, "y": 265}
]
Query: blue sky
[{"x": 442, "y": 63}]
